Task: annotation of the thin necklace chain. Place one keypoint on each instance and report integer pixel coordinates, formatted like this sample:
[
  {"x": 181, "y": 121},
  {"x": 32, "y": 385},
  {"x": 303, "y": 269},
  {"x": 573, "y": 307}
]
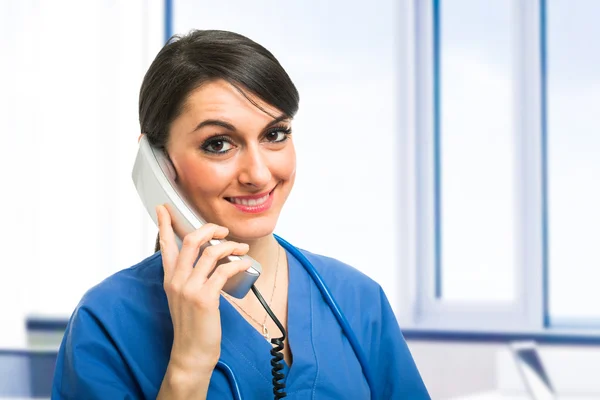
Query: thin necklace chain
[{"x": 265, "y": 331}]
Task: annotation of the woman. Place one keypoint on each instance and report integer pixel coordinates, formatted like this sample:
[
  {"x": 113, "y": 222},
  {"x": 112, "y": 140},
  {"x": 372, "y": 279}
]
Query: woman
[{"x": 221, "y": 106}]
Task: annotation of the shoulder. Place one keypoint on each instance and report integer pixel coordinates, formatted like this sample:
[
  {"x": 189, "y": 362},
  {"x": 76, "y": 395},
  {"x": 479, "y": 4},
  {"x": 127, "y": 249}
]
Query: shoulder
[
  {"x": 333, "y": 270},
  {"x": 351, "y": 287},
  {"x": 148, "y": 271},
  {"x": 105, "y": 346},
  {"x": 368, "y": 312},
  {"x": 127, "y": 289},
  {"x": 127, "y": 311}
]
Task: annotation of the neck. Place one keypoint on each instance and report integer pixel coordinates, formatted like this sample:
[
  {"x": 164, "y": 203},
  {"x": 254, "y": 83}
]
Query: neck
[{"x": 264, "y": 250}]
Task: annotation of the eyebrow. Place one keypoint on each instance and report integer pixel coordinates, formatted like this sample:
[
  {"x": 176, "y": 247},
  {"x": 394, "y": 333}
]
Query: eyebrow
[{"x": 230, "y": 127}]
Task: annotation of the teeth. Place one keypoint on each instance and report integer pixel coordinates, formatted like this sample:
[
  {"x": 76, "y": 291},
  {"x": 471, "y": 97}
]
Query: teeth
[{"x": 251, "y": 202}]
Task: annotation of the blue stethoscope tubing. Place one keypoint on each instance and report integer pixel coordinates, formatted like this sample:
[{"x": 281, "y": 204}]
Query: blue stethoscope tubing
[{"x": 318, "y": 280}]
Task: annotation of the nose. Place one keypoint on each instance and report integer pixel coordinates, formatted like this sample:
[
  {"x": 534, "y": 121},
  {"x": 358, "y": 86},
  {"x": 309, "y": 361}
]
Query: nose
[{"x": 254, "y": 169}]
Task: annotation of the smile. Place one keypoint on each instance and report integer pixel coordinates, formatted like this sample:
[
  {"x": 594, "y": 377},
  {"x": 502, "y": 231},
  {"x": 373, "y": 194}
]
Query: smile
[
  {"x": 249, "y": 202},
  {"x": 252, "y": 204}
]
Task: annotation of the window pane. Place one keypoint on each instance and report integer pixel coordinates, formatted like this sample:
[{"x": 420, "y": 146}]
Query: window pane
[
  {"x": 573, "y": 145},
  {"x": 476, "y": 151}
]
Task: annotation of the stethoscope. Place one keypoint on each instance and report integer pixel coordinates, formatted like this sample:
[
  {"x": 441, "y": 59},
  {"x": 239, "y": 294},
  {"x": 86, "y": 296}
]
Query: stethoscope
[{"x": 226, "y": 369}]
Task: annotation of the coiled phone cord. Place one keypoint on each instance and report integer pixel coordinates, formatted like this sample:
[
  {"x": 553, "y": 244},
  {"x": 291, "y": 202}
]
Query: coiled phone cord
[{"x": 277, "y": 360}]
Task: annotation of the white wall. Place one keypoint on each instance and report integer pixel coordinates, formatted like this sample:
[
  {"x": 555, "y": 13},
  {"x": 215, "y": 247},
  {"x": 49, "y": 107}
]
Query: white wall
[{"x": 70, "y": 78}]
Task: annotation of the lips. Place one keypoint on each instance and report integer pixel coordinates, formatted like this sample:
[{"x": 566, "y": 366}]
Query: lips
[{"x": 253, "y": 204}]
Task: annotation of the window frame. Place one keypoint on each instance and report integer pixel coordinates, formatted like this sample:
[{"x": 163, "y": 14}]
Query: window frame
[{"x": 423, "y": 308}]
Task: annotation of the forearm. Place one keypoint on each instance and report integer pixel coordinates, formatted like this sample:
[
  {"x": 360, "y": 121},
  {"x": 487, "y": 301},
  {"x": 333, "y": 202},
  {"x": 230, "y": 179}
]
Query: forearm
[{"x": 179, "y": 384}]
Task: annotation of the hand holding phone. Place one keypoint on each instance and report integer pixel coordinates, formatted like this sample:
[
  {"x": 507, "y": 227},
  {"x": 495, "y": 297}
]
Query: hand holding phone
[
  {"x": 193, "y": 284},
  {"x": 193, "y": 287}
]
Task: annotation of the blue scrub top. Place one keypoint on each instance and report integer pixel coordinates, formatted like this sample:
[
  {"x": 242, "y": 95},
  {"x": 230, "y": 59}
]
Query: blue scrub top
[{"x": 118, "y": 341}]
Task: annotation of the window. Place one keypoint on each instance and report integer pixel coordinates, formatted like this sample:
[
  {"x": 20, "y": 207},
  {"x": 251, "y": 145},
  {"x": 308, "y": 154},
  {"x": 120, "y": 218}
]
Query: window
[
  {"x": 473, "y": 202},
  {"x": 573, "y": 162},
  {"x": 503, "y": 160},
  {"x": 475, "y": 150}
]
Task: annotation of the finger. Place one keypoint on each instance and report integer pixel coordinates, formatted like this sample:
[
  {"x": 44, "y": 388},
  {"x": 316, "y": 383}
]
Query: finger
[
  {"x": 217, "y": 280},
  {"x": 168, "y": 245},
  {"x": 193, "y": 241},
  {"x": 191, "y": 246},
  {"x": 212, "y": 254}
]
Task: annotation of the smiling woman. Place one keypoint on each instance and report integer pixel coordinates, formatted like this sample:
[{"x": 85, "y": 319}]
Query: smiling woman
[{"x": 221, "y": 108}]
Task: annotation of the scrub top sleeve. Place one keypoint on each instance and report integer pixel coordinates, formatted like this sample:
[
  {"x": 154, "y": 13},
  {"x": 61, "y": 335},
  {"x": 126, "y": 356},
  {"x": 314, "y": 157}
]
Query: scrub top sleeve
[
  {"x": 89, "y": 365},
  {"x": 395, "y": 369}
]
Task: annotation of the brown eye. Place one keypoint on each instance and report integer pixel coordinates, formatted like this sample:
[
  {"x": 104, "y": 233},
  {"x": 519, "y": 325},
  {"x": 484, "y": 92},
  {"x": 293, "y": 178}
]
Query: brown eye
[
  {"x": 217, "y": 146},
  {"x": 277, "y": 135}
]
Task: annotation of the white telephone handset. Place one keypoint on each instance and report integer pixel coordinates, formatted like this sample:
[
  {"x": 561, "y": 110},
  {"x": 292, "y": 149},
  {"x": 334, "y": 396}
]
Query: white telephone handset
[{"x": 154, "y": 179}]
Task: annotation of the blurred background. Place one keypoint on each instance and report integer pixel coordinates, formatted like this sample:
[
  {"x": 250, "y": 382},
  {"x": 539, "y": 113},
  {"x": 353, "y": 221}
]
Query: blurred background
[{"x": 449, "y": 149}]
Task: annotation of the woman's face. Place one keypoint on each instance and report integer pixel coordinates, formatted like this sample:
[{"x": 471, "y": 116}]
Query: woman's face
[{"x": 235, "y": 163}]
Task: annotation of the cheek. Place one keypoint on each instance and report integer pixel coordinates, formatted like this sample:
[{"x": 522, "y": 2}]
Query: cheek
[
  {"x": 285, "y": 167},
  {"x": 202, "y": 177}
]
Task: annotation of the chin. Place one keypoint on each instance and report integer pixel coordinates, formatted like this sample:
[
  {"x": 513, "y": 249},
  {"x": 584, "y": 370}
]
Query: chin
[{"x": 251, "y": 230}]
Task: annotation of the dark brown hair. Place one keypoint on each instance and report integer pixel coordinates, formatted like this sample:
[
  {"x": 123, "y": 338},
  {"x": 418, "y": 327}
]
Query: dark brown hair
[{"x": 188, "y": 61}]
